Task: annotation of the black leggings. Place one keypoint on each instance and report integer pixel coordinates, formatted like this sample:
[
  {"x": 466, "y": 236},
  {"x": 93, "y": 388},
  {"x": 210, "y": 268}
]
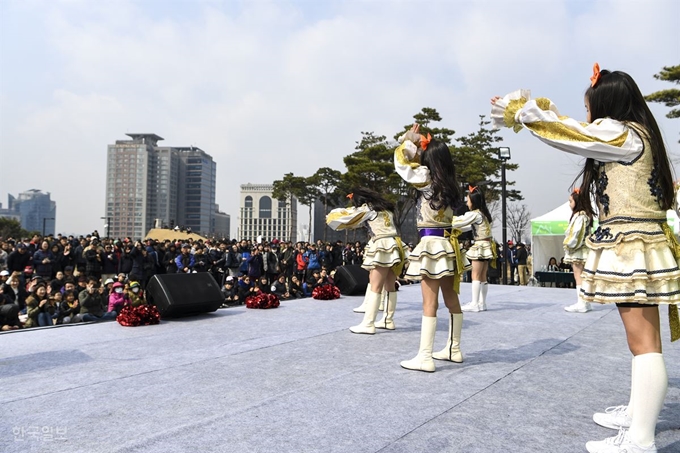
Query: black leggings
[{"x": 635, "y": 305}]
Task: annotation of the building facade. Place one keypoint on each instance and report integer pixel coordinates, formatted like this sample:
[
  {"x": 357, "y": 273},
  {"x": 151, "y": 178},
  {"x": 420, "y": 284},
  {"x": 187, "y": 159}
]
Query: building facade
[
  {"x": 149, "y": 185},
  {"x": 34, "y": 209},
  {"x": 263, "y": 215}
]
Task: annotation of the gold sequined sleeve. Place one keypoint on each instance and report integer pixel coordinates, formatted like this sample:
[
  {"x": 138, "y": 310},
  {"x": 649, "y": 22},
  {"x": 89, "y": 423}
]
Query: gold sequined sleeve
[
  {"x": 605, "y": 140},
  {"x": 575, "y": 236},
  {"x": 349, "y": 218},
  {"x": 407, "y": 165}
]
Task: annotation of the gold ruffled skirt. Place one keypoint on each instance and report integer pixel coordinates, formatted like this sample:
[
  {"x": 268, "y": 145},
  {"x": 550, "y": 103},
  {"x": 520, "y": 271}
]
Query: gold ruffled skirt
[
  {"x": 631, "y": 262},
  {"x": 433, "y": 257}
]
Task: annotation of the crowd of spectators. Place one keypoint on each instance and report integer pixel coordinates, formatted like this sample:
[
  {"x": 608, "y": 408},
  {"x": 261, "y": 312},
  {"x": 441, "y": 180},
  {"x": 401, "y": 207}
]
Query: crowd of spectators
[{"x": 65, "y": 279}]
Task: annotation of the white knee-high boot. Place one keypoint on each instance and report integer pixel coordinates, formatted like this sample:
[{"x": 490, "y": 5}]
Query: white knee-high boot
[
  {"x": 451, "y": 351},
  {"x": 580, "y": 306},
  {"x": 423, "y": 361},
  {"x": 362, "y": 308},
  {"x": 387, "y": 321},
  {"x": 367, "y": 325},
  {"x": 482, "y": 296},
  {"x": 476, "y": 292},
  {"x": 650, "y": 383}
]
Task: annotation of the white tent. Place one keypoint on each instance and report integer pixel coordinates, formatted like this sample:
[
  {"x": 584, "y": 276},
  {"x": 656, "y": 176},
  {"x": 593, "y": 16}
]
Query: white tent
[{"x": 547, "y": 234}]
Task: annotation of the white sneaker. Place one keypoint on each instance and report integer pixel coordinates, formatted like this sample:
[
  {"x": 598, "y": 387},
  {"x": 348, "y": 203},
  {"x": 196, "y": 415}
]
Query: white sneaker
[
  {"x": 615, "y": 417},
  {"x": 473, "y": 307},
  {"x": 579, "y": 307},
  {"x": 620, "y": 443}
]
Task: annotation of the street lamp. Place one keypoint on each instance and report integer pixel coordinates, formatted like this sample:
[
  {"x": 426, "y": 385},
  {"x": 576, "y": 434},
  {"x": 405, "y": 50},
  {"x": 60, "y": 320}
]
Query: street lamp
[
  {"x": 504, "y": 156},
  {"x": 44, "y": 220},
  {"x": 107, "y": 226}
]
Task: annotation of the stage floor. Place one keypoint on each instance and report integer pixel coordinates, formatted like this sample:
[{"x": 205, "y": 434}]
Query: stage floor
[{"x": 294, "y": 379}]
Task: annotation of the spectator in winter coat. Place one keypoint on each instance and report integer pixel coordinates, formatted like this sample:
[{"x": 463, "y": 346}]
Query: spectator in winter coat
[
  {"x": 246, "y": 288},
  {"x": 109, "y": 262},
  {"x": 169, "y": 259},
  {"x": 279, "y": 288},
  {"x": 255, "y": 265},
  {"x": 43, "y": 261},
  {"x": 271, "y": 264},
  {"x": 18, "y": 260},
  {"x": 118, "y": 299},
  {"x": 92, "y": 303},
  {"x": 233, "y": 261},
  {"x": 230, "y": 293},
  {"x": 185, "y": 260},
  {"x": 68, "y": 308},
  {"x": 201, "y": 260}
]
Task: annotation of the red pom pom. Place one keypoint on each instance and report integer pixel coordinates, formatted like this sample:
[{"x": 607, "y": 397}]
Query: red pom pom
[
  {"x": 263, "y": 301},
  {"x": 143, "y": 315},
  {"x": 326, "y": 292}
]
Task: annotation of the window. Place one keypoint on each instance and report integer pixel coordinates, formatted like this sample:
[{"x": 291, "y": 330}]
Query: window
[
  {"x": 265, "y": 208},
  {"x": 249, "y": 202}
]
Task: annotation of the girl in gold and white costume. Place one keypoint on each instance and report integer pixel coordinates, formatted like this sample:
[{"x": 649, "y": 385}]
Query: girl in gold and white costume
[
  {"x": 437, "y": 260},
  {"x": 575, "y": 248},
  {"x": 483, "y": 251},
  {"x": 633, "y": 258},
  {"x": 383, "y": 257}
]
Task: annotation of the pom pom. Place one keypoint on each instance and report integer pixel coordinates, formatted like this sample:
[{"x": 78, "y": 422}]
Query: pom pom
[
  {"x": 142, "y": 315},
  {"x": 326, "y": 292},
  {"x": 263, "y": 301}
]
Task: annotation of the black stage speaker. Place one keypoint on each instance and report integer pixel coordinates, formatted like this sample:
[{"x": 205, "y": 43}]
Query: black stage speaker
[
  {"x": 178, "y": 295},
  {"x": 351, "y": 280}
]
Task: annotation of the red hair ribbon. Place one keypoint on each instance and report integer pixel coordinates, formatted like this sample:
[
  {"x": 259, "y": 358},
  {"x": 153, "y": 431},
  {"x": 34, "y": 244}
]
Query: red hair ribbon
[
  {"x": 350, "y": 195},
  {"x": 424, "y": 141},
  {"x": 596, "y": 75},
  {"x": 577, "y": 190},
  {"x": 472, "y": 188}
]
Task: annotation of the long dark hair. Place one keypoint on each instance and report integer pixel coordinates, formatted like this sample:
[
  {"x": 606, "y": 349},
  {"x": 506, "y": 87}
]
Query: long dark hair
[
  {"x": 617, "y": 96},
  {"x": 363, "y": 195},
  {"x": 477, "y": 201},
  {"x": 581, "y": 203},
  {"x": 445, "y": 193}
]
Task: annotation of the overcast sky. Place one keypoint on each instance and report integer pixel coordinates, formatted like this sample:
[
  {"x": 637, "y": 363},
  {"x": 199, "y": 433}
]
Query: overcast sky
[{"x": 268, "y": 87}]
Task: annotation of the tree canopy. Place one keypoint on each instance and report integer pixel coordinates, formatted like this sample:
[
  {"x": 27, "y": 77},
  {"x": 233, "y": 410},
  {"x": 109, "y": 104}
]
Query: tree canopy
[{"x": 371, "y": 165}]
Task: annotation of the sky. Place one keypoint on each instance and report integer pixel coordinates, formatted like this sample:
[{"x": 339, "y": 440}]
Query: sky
[{"x": 271, "y": 87}]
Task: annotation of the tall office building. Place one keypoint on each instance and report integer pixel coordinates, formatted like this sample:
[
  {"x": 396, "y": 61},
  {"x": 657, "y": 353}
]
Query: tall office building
[
  {"x": 147, "y": 185},
  {"x": 263, "y": 215},
  {"x": 34, "y": 209}
]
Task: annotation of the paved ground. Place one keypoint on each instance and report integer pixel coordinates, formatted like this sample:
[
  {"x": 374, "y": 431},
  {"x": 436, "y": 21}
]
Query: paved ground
[{"x": 295, "y": 379}]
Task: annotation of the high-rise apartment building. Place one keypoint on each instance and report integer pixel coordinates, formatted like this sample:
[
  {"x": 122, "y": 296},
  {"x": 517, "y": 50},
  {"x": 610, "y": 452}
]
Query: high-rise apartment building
[
  {"x": 147, "y": 184},
  {"x": 34, "y": 209},
  {"x": 263, "y": 215}
]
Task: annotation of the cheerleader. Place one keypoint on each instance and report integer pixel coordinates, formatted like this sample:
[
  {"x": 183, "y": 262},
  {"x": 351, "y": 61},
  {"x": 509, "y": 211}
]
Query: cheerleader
[
  {"x": 633, "y": 256},
  {"x": 478, "y": 220},
  {"x": 575, "y": 249},
  {"x": 383, "y": 256},
  {"x": 437, "y": 260}
]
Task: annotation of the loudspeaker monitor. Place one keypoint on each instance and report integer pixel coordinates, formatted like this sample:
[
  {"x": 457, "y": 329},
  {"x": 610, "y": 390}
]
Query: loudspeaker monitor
[
  {"x": 177, "y": 295},
  {"x": 351, "y": 280}
]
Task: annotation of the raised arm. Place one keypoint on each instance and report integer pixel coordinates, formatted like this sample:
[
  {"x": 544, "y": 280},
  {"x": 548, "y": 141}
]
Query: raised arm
[
  {"x": 349, "y": 218},
  {"x": 605, "y": 140}
]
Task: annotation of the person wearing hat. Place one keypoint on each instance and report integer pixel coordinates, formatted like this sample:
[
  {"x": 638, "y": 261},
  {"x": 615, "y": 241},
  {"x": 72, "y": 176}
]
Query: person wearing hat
[
  {"x": 229, "y": 293},
  {"x": 108, "y": 285},
  {"x": 4, "y": 276},
  {"x": 135, "y": 294},
  {"x": 118, "y": 298},
  {"x": 185, "y": 260}
]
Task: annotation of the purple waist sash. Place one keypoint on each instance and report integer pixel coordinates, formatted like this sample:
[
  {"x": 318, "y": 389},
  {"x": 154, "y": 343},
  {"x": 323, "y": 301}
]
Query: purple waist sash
[{"x": 434, "y": 232}]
